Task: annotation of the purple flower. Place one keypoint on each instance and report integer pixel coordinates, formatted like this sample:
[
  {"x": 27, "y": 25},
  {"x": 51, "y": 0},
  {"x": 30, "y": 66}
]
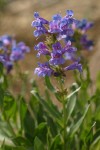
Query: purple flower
[
  {"x": 84, "y": 25},
  {"x": 86, "y": 44},
  {"x": 74, "y": 66},
  {"x": 18, "y": 51},
  {"x": 39, "y": 20},
  {"x": 54, "y": 25},
  {"x": 39, "y": 25},
  {"x": 9, "y": 66},
  {"x": 69, "y": 13},
  {"x": 57, "y": 54},
  {"x": 5, "y": 42},
  {"x": 42, "y": 49},
  {"x": 66, "y": 26},
  {"x": 69, "y": 49},
  {"x": 39, "y": 31},
  {"x": 16, "y": 55},
  {"x": 6, "y": 39},
  {"x": 43, "y": 70},
  {"x": 2, "y": 60},
  {"x": 70, "y": 52},
  {"x": 67, "y": 21},
  {"x": 65, "y": 34},
  {"x": 56, "y": 17},
  {"x": 1, "y": 45},
  {"x": 36, "y": 14},
  {"x": 11, "y": 52},
  {"x": 23, "y": 47}
]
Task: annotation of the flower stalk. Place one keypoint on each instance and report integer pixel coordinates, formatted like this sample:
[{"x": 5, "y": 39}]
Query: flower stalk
[{"x": 63, "y": 93}]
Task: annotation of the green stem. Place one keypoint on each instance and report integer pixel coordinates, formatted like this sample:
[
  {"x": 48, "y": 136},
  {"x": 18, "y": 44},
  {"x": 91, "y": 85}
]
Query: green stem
[
  {"x": 64, "y": 113},
  {"x": 64, "y": 120}
]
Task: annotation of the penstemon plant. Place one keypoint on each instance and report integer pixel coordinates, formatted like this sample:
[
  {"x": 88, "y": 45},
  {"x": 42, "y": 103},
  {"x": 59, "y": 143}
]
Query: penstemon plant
[
  {"x": 61, "y": 37},
  {"x": 37, "y": 122},
  {"x": 57, "y": 55}
]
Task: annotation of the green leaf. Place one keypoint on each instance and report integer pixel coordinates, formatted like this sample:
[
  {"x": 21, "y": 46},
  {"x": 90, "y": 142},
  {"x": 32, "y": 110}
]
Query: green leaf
[
  {"x": 76, "y": 126},
  {"x": 38, "y": 145},
  {"x": 72, "y": 100},
  {"x": 22, "y": 108},
  {"x": 49, "y": 85},
  {"x": 73, "y": 93},
  {"x": 52, "y": 126},
  {"x": 58, "y": 96},
  {"x": 96, "y": 144},
  {"x": 29, "y": 126},
  {"x": 56, "y": 143},
  {"x": 55, "y": 114},
  {"x": 51, "y": 110},
  {"x": 50, "y": 102},
  {"x": 4, "y": 129},
  {"x": 88, "y": 136},
  {"x": 40, "y": 127},
  {"x": 41, "y": 131},
  {"x": 48, "y": 97},
  {"x": 10, "y": 106},
  {"x": 3, "y": 144},
  {"x": 70, "y": 105},
  {"x": 52, "y": 89}
]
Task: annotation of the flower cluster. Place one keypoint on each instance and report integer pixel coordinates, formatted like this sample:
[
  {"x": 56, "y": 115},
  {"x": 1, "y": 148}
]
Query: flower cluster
[
  {"x": 55, "y": 50},
  {"x": 62, "y": 26},
  {"x": 10, "y": 51}
]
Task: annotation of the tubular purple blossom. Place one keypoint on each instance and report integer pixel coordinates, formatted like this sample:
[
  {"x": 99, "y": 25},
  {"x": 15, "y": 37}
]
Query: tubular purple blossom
[
  {"x": 42, "y": 49},
  {"x": 57, "y": 54},
  {"x": 84, "y": 25},
  {"x": 43, "y": 70},
  {"x": 16, "y": 55},
  {"x": 39, "y": 25},
  {"x": 74, "y": 66}
]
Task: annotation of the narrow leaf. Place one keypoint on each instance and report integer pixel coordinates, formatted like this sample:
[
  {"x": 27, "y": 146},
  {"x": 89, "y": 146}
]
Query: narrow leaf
[
  {"x": 73, "y": 93},
  {"x": 70, "y": 105},
  {"x": 77, "y": 125},
  {"x": 49, "y": 85}
]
